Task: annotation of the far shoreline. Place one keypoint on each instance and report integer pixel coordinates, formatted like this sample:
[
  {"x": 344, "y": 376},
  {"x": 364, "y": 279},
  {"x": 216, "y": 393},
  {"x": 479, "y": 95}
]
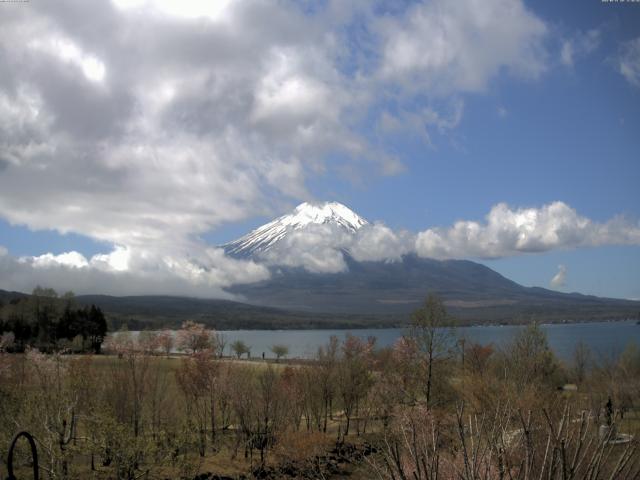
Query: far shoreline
[{"x": 316, "y": 326}]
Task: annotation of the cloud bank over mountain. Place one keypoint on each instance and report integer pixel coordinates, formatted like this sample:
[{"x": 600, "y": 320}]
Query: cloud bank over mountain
[
  {"x": 508, "y": 231},
  {"x": 318, "y": 246},
  {"x": 130, "y": 272}
]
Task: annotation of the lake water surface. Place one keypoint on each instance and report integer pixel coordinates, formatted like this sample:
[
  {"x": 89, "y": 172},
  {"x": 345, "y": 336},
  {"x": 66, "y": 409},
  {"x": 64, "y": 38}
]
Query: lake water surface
[{"x": 605, "y": 339}]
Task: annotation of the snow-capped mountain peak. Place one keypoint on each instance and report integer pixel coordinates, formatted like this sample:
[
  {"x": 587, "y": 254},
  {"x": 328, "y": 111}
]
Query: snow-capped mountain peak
[
  {"x": 328, "y": 212},
  {"x": 263, "y": 238}
]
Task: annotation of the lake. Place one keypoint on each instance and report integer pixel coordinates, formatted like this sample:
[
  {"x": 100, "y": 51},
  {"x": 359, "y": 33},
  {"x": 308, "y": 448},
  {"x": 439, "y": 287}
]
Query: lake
[{"x": 605, "y": 339}]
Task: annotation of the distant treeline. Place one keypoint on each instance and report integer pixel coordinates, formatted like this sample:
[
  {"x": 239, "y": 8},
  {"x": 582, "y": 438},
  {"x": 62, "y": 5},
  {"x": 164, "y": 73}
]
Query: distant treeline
[
  {"x": 252, "y": 321},
  {"x": 50, "y": 322}
]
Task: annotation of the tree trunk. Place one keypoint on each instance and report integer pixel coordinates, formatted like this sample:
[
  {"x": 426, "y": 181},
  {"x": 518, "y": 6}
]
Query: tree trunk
[
  {"x": 213, "y": 419},
  {"x": 326, "y": 414},
  {"x": 429, "y": 377},
  {"x": 346, "y": 428}
]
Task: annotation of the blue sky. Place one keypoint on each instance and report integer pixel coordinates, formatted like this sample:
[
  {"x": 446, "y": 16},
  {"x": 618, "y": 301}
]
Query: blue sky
[{"x": 154, "y": 153}]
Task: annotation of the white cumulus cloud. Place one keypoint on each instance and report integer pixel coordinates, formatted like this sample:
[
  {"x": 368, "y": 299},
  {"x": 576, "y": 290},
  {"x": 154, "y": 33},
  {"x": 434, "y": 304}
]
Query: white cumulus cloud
[
  {"x": 580, "y": 45},
  {"x": 377, "y": 242},
  {"x": 559, "y": 280},
  {"x": 317, "y": 248},
  {"x": 505, "y": 232},
  {"x": 321, "y": 248},
  {"x": 460, "y": 46},
  {"x": 131, "y": 271},
  {"x": 68, "y": 259},
  {"x": 508, "y": 231},
  {"x": 145, "y": 123},
  {"x": 629, "y": 61}
]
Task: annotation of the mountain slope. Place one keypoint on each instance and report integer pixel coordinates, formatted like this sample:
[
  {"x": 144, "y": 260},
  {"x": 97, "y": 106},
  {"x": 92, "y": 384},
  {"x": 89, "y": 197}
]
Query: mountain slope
[
  {"x": 471, "y": 291},
  {"x": 265, "y": 237},
  {"x": 6, "y": 297}
]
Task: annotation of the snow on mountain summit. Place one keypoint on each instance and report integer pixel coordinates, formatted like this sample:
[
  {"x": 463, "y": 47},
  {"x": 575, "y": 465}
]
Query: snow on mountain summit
[
  {"x": 263, "y": 238},
  {"x": 328, "y": 212}
]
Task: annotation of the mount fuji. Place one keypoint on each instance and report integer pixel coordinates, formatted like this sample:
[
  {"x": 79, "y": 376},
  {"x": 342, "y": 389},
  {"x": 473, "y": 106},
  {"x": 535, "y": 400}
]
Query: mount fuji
[{"x": 471, "y": 291}]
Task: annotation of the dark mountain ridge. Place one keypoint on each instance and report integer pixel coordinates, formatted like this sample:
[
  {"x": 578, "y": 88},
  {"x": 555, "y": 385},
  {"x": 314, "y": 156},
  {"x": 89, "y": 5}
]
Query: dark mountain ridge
[{"x": 471, "y": 291}]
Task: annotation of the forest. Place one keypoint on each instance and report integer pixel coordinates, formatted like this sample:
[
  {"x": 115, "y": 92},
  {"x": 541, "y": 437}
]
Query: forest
[
  {"x": 51, "y": 323},
  {"x": 433, "y": 406}
]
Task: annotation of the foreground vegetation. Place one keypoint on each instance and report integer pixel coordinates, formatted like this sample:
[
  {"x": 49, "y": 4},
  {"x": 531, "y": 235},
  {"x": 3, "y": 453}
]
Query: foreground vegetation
[{"x": 432, "y": 406}]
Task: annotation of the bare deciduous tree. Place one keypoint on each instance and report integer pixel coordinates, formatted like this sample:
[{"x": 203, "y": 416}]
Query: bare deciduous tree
[
  {"x": 430, "y": 329},
  {"x": 166, "y": 341}
]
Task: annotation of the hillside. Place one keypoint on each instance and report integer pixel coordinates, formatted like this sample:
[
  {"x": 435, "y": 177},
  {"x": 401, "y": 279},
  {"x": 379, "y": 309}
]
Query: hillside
[
  {"x": 472, "y": 292},
  {"x": 142, "y": 312}
]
